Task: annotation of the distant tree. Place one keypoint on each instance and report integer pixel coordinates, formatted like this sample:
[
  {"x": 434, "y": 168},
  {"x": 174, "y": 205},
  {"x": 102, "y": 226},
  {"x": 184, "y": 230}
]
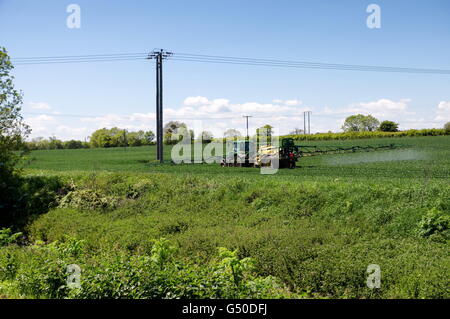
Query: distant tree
[
  {"x": 54, "y": 143},
  {"x": 206, "y": 137},
  {"x": 447, "y": 127},
  {"x": 135, "y": 138},
  {"x": 266, "y": 130},
  {"x": 101, "y": 138},
  {"x": 360, "y": 123},
  {"x": 232, "y": 134},
  {"x": 296, "y": 131},
  {"x": 174, "y": 128},
  {"x": 388, "y": 126},
  {"x": 264, "y": 133},
  {"x": 73, "y": 144},
  {"x": 149, "y": 137},
  {"x": 116, "y": 137}
]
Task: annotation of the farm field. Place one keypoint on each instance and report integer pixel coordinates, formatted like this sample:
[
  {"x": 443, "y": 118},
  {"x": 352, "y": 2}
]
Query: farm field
[
  {"x": 415, "y": 158},
  {"x": 138, "y": 229}
]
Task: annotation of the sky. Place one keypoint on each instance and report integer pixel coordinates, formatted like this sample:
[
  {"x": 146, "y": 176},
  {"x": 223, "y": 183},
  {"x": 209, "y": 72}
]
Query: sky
[{"x": 72, "y": 100}]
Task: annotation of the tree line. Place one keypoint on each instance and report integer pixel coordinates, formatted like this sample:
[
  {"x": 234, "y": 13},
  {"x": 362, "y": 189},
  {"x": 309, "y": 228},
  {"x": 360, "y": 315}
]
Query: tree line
[{"x": 175, "y": 131}]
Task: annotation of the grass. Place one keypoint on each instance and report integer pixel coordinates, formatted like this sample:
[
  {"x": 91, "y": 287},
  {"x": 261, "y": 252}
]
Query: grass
[{"x": 315, "y": 228}]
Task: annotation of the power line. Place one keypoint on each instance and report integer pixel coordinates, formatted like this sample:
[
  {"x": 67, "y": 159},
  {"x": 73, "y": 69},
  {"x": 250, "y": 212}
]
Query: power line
[
  {"x": 127, "y": 116},
  {"x": 308, "y": 65},
  {"x": 143, "y": 54},
  {"x": 190, "y": 57}
]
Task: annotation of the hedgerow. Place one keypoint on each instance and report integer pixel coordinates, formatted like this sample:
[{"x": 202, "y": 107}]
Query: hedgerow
[{"x": 363, "y": 135}]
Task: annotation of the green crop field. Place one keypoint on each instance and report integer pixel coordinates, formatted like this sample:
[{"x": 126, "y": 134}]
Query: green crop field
[
  {"x": 139, "y": 229},
  {"x": 417, "y": 157}
]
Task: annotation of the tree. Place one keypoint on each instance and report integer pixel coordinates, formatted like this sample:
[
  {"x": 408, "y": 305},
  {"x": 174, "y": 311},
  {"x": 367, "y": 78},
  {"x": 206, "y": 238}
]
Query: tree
[
  {"x": 296, "y": 131},
  {"x": 232, "y": 134},
  {"x": 264, "y": 133},
  {"x": 447, "y": 127},
  {"x": 388, "y": 126},
  {"x": 135, "y": 138},
  {"x": 116, "y": 137},
  {"x": 360, "y": 123},
  {"x": 73, "y": 144},
  {"x": 13, "y": 132},
  {"x": 206, "y": 137},
  {"x": 175, "y": 128},
  {"x": 101, "y": 138},
  {"x": 55, "y": 144},
  {"x": 149, "y": 137}
]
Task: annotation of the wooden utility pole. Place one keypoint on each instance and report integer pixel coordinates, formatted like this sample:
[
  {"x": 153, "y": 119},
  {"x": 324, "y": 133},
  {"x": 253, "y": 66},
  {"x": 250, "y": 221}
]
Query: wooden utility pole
[
  {"x": 247, "y": 116},
  {"x": 159, "y": 56}
]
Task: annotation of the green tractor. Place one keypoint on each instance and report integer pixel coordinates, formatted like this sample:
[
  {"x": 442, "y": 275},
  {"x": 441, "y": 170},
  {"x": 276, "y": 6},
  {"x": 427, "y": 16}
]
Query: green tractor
[
  {"x": 287, "y": 154},
  {"x": 248, "y": 154}
]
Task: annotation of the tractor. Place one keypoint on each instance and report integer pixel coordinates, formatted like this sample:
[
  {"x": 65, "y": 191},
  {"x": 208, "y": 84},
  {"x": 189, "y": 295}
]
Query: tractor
[{"x": 249, "y": 154}]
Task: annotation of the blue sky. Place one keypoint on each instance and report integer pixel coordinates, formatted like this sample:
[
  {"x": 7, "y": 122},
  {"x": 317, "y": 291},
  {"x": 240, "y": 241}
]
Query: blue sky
[{"x": 412, "y": 34}]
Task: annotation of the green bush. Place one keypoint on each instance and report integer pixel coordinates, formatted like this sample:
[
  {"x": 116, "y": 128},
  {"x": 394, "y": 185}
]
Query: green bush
[
  {"x": 447, "y": 128},
  {"x": 388, "y": 126},
  {"x": 314, "y": 237},
  {"x": 362, "y": 135},
  {"x": 434, "y": 222},
  {"x": 8, "y": 237},
  {"x": 88, "y": 199},
  {"x": 8, "y": 266},
  {"x": 42, "y": 274},
  {"x": 29, "y": 196}
]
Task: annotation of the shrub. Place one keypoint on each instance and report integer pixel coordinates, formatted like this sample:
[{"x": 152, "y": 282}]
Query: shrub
[
  {"x": 363, "y": 135},
  {"x": 388, "y": 126},
  {"x": 88, "y": 199},
  {"x": 8, "y": 266},
  {"x": 28, "y": 196},
  {"x": 434, "y": 222},
  {"x": 7, "y": 237},
  {"x": 447, "y": 128}
]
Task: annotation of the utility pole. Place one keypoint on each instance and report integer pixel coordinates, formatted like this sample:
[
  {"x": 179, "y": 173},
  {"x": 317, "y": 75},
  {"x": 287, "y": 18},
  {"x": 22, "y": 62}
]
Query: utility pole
[
  {"x": 309, "y": 122},
  {"x": 305, "y": 114},
  {"x": 159, "y": 56},
  {"x": 304, "y": 122},
  {"x": 247, "y": 116}
]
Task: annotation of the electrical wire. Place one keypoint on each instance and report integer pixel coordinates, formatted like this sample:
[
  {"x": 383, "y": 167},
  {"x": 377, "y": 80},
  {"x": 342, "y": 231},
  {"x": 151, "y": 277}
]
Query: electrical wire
[
  {"x": 202, "y": 58},
  {"x": 182, "y": 117}
]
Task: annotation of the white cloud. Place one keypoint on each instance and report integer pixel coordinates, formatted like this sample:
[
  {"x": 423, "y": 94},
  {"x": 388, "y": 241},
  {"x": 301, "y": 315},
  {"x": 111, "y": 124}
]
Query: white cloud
[
  {"x": 39, "y": 106},
  {"x": 381, "y": 108},
  {"x": 196, "y": 101},
  {"x": 444, "y": 106},
  {"x": 293, "y": 102},
  {"x": 218, "y": 115},
  {"x": 443, "y": 111},
  {"x": 41, "y": 125}
]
